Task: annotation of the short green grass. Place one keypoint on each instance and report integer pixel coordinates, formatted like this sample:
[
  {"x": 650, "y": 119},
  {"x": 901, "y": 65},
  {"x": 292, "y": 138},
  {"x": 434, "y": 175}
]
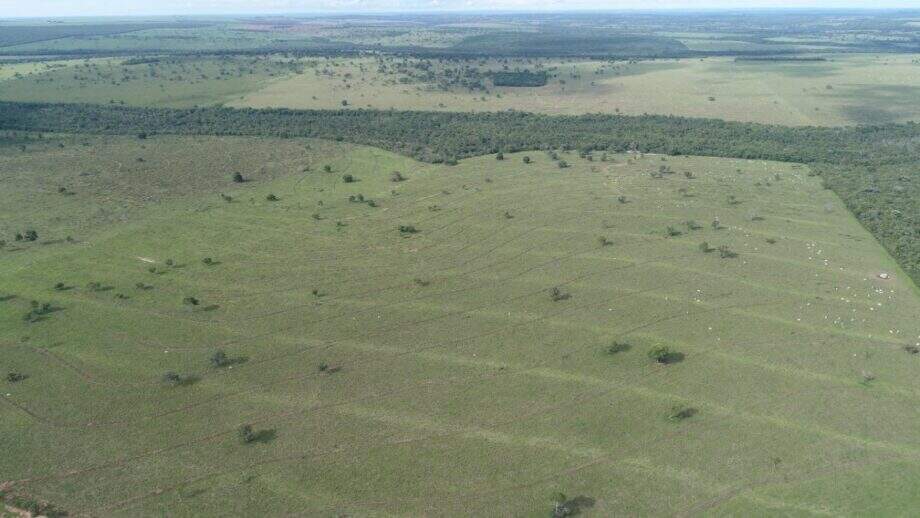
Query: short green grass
[
  {"x": 432, "y": 373},
  {"x": 845, "y": 90},
  {"x": 176, "y": 82}
]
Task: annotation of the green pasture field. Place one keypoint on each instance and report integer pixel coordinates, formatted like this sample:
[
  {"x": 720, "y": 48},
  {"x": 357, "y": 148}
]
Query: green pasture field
[
  {"x": 411, "y": 357},
  {"x": 176, "y": 82},
  {"x": 846, "y": 90}
]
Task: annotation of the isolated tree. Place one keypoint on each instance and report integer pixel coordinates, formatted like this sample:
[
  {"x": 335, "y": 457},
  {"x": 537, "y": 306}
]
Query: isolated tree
[
  {"x": 327, "y": 168},
  {"x": 603, "y": 241},
  {"x": 272, "y": 197},
  {"x": 705, "y": 248},
  {"x": 207, "y": 261},
  {"x": 500, "y": 156},
  {"x": 621, "y": 199},
  {"x": 526, "y": 159},
  {"x": 238, "y": 178},
  {"x": 726, "y": 253},
  {"x": 673, "y": 232},
  {"x": 347, "y": 178},
  {"x": 397, "y": 177}
]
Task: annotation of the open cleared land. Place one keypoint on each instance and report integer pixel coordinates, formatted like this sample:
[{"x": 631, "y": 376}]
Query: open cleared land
[
  {"x": 148, "y": 82},
  {"x": 861, "y": 89},
  {"x": 846, "y": 90},
  {"x": 468, "y": 340}
]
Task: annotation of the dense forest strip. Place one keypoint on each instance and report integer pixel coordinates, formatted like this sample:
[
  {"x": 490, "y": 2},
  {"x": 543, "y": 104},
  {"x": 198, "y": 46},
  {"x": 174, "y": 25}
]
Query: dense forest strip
[{"x": 874, "y": 169}]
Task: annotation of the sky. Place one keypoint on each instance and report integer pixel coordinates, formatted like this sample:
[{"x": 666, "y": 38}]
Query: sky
[{"x": 27, "y": 8}]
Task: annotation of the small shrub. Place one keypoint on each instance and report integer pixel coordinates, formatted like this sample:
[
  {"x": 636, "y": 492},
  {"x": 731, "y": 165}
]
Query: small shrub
[
  {"x": 172, "y": 378},
  {"x": 347, "y": 178},
  {"x": 618, "y": 347},
  {"x": 190, "y": 301},
  {"x": 705, "y": 248},
  {"x": 246, "y": 433},
  {"x": 556, "y": 294},
  {"x": 15, "y": 377},
  {"x": 665, "y": 355},
  {"x": 603, "y": 241},
  {"x": 680, "y": 412},
  {"x": 622, "y": 199},
  {"x": 272, "y": 197},
  {"x": 408, "y": 229},
  {"x": 526, "y": 159},
  {"x": 726, "y": 253},
  {"x": 207, "y": 261},
  {"x": 60, "y": 286},
  {"x": 421, "y": 282},
  {"x": 327, "y": 168},
  {"x": 219, "y": 359},
  {"x": 912, "y": 349},
  {"x": 689, "y": 175},
  {"x": 560, "y": 507},
  {"x": 397, "y": 177},
  {"x": 562, "y": 164},
  {"x": 226, "y": 197},
  {"x": 693, "y": 225},
  {"x": 716, "y": 225},
  {"x": 508, "y": 215},
  {"x": 500, "y": 156},
  {"x": 238, "y": 178},
  {"x": 673, "y": 232}
]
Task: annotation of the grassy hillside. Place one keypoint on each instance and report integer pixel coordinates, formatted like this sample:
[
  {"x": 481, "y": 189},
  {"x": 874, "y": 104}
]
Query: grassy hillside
[{"x": 496, "y": 355}]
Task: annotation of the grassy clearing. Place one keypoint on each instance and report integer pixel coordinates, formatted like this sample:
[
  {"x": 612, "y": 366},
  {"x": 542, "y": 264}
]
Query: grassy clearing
[
  {"x": 845, "y": 90},
  {"x": 435, "y": 372},
  {"x": 860, "y": 89},
  {"x": 160, "y": 82}
]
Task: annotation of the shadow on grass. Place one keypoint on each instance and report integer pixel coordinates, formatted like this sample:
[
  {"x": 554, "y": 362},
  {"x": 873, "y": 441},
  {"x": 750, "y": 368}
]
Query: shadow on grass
[{"x": 265, "y": 436}]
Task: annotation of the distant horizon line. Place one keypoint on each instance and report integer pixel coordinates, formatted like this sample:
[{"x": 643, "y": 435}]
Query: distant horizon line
[{"x": 390, "y": 12}]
